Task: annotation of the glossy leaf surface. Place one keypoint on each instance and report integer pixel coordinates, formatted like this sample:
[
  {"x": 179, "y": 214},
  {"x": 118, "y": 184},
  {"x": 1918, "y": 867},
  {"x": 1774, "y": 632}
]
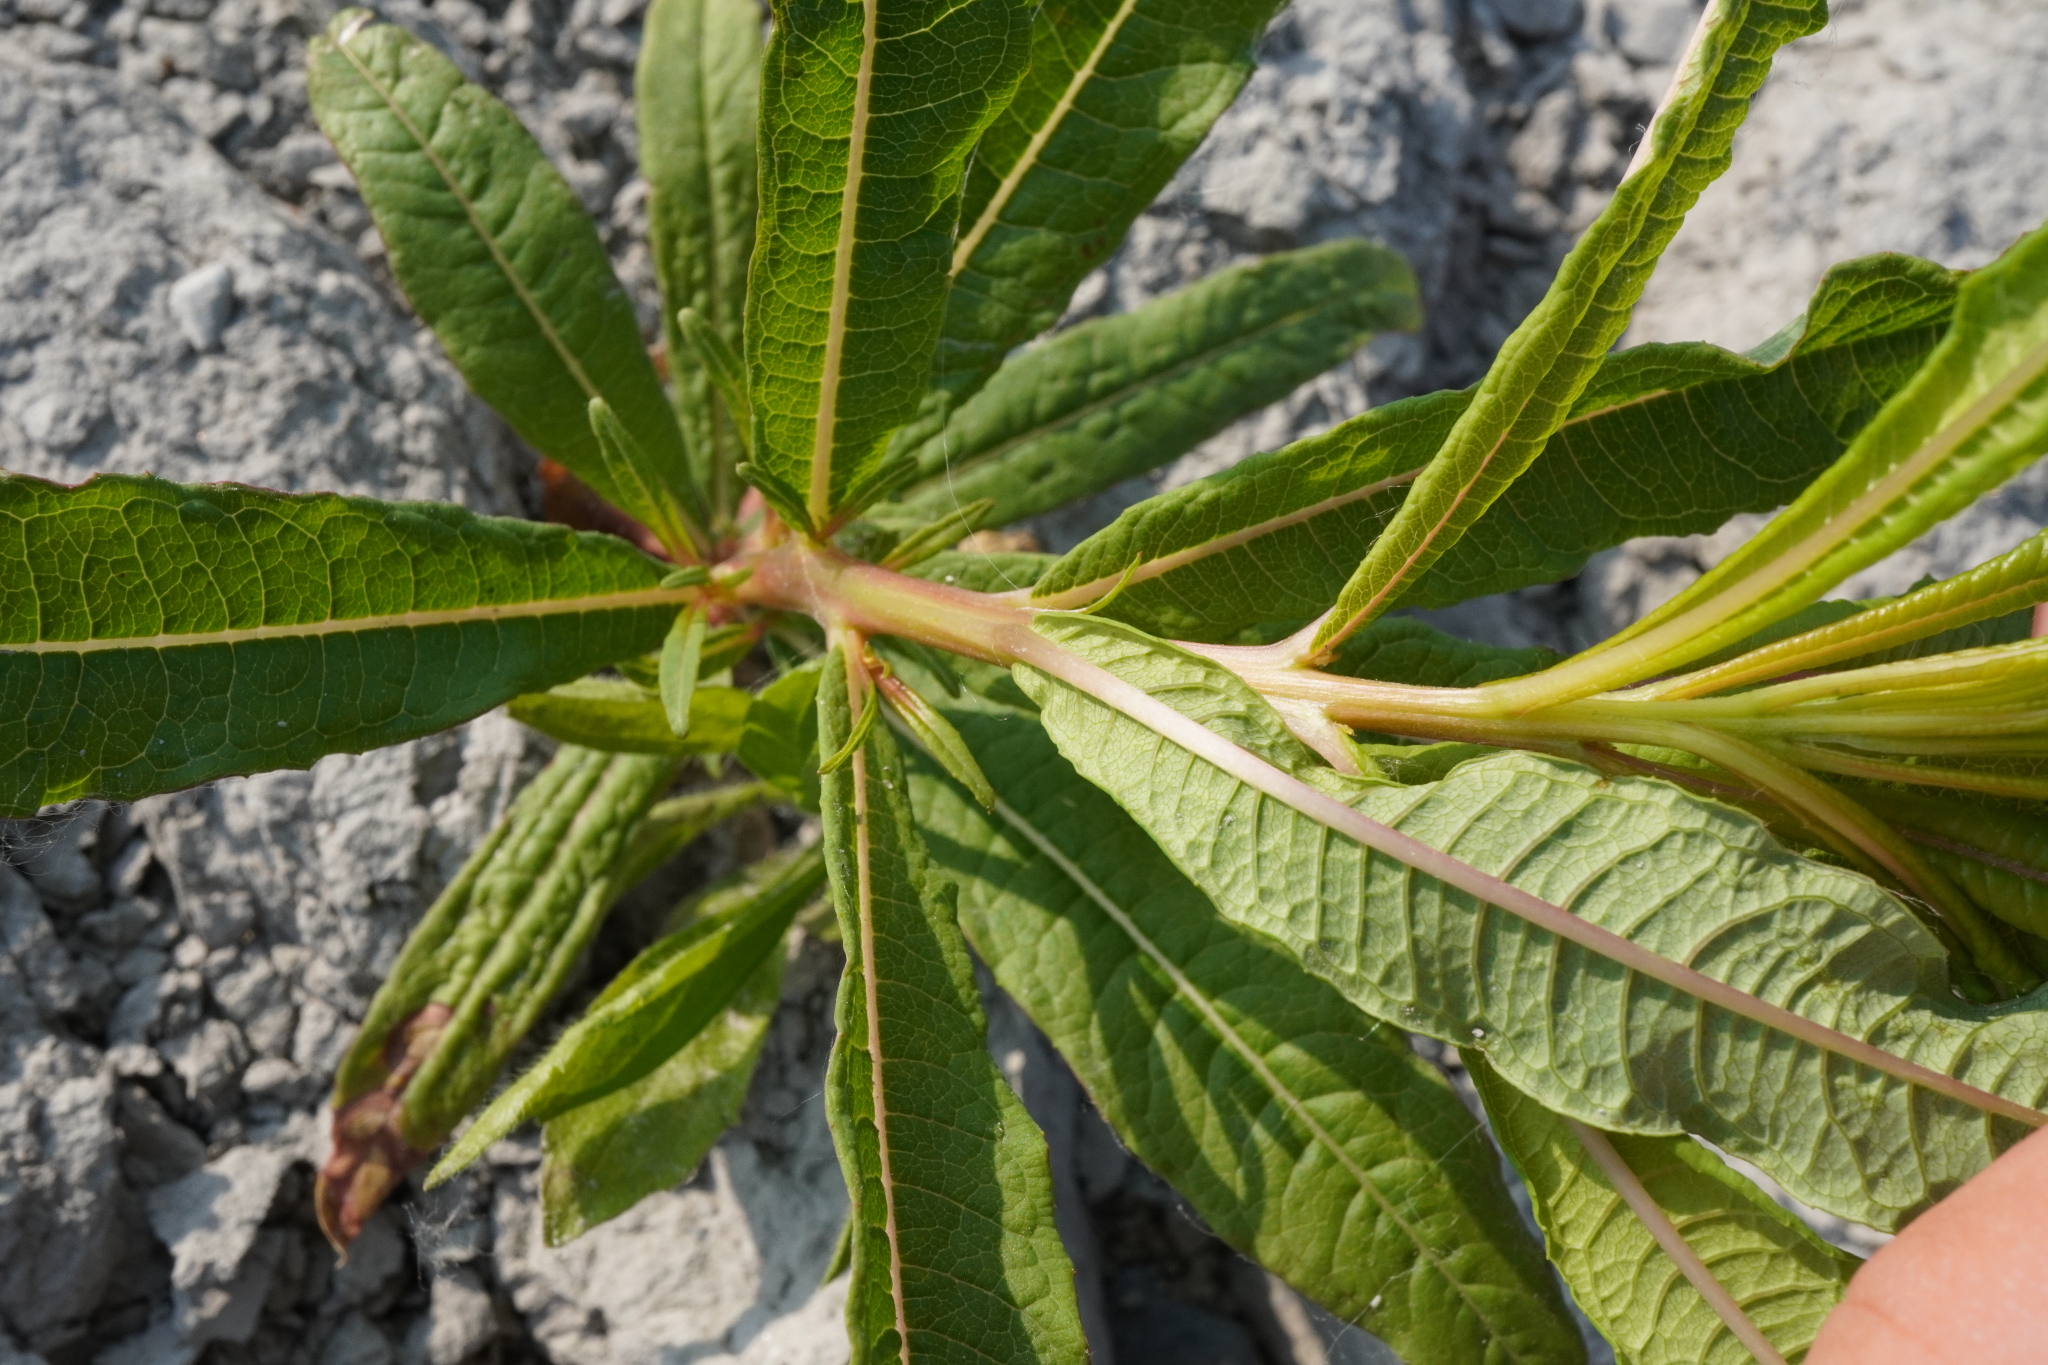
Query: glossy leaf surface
[
  {"x": 623, "y": 717},
  {"x": 1693, "y": 880},
  {"x": 955, "y": 1254},
  {"x": 1306, "y": 1135},
  {"x": 1110, "y": 399},
  {"x": 696, "y": 94},
  {"x": 154, "y": 635},
  {"x": 1544, "y": 366},
  {"x": 1118, "y": 94},
  {"x": 1666, "y": 440},
  {"x": 494, "y": 250},
  {"x": 1784, "y": 1278},
  {"x": 868, "y": 114}
]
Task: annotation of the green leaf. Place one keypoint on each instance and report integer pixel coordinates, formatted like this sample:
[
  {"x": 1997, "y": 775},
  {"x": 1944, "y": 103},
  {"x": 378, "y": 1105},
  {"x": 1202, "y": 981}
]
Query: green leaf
[
  {"x": 1542, "y": 368},
  {"x": 661, "y": 1001},
  {"x": 1274, "y": 538},
  {"x": 600, "y": 1159},
  {"x": 624, "y": 717},
  {"x": 727, "y": 373},
  {"x": 1995, "y": 852},
  {"x": 681, "y": 653},
  {"x": 672, "y": 824},
  {"x": 1691, "y": 880},
  {"x": 153, "y": 635},
  {"x": 1404, "y": 650},
  {"x": 482, "y": 966},
  {"x": 955, "y": 1254},
  {"x": 631, "y": 469},
  {"x": 1113, "y": 398},
  {"x": 979, "y": 571},
  {"x": 1119, "y": 93},
  {"x": 696, "y": 93},
  {"x": 1305, "y": 1135},
  {"x": 1975, "y": 415},
  {"x": 493, "y": 249},
  {"x": 1784, "y": 1278},
  {"x": 780, "y": 742},
  {"x": 937, "y": 738},
  {"x": 868, "y": 114}
]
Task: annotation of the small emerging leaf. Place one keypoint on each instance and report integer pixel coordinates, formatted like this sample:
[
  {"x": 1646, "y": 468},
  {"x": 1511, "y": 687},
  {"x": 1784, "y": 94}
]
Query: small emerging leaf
[
  {"x": 681, "y": 654},
  {"x": 624, "y": 717},
  {"x": 728, "y": 376},
  {"x": 937, "y": 737},
  {"x": 780, "y": 742}
]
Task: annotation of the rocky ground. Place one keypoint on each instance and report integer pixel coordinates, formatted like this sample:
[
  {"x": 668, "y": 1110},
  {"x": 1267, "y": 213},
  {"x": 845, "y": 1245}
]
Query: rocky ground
[{"x": 192, "y": 286}]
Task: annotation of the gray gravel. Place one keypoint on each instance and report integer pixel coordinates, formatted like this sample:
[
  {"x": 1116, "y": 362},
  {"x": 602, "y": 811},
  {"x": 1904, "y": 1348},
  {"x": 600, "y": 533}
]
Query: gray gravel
[{"x": 193, "y": 287}]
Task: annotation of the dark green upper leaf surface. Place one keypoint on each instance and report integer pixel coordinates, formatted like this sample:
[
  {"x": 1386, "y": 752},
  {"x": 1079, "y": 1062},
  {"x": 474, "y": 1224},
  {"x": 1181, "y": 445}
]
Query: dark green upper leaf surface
[
  {"x": 1785, "y": 1279},
  {"x": 1113, "y": 398},
  {"x": 868, "y": 113},
  {"x": 494, "y": 250},
  {"x": 1404, "y": 650},
  {"x": 154, "y": 635},
  {"x": 1306, "y": 1135},
  {"x": 953, "y": 1237},
  {"x": 1118, "y": 94},
  {"x": 1545, "y": 365},
  {"x": 1666, "y": 440},
  {"x": 696, "y": 92},
  {"x": 1691, "y": 879}
]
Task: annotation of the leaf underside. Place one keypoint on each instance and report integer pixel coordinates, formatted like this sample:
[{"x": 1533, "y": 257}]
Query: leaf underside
[
  {"x": 1785, "y": 1279},
  {"x": 1694, "y": 880},
  {"x": 1303, "y": 1134}
]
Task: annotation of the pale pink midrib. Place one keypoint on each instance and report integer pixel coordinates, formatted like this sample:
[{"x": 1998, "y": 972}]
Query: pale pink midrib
[{"x": 408, "y": 620}]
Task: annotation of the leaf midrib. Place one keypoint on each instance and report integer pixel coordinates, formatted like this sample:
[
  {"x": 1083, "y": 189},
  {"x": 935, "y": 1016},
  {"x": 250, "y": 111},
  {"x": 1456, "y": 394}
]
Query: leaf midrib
[
  {"x": 405, "y": 620},
  {"x": 971, "y": 241},
  {"x": 484, "y": 235},
  {"x": 1253, "y": 1062},
  {"x": 819, "y": 502}
]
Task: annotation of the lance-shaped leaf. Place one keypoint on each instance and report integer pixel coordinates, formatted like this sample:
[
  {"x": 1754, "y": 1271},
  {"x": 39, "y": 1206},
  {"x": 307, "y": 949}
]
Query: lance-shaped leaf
[
  {"x": 1307, "y": 1136},
  {"x": 476, "y": 974},
  {"x": 1975, "y": 415},
  {"x": 662, "y": 1000},
  {"x": 154, "y": 635},
  {"x": 1118, "y": 94},
  {"x": 1997, "y": 852},
  {"x": 1113, "y": 398},
  {"x": 955, "y": 1254},
  {"x": 1781, "y": 1276},
  {"x": 493, "y": 249},
  {"x": 868, "y": 113},
  {"x": 696, "y": 95},
  {"x": 1666, "y": 440},
  {"x": 1543, "y": 366},
  {"x": 1404, "y": 650},
  {"x": 1659, "y": 969},
  {"x": 780, "y": 742},
  {"x": 600, "y": 1159},
  {"x": 624, "y": 717}
]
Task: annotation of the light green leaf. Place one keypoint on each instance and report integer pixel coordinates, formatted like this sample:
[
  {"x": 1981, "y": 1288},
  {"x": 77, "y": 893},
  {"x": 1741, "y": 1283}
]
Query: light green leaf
[
  {"x": 1118, "y": 94},
  {"x": 1784, "y": 1278},
  {"x": 955, "y": 1254},
  {"x": 1542, "y": 368},
  {"x": 600, "y": 1159},
  {"x": 662, "y": 1000},
  {"x": 1975, "y": 415},
  {"x": 495, "y": 252},
  {"x": 153, "y": 635},
  {"x": 1997, "y": 852},
  {"x": 696, "y": 93},
  {"x": 624, "y": 717},
  {"x": 1113, "y": 398},
  {"x": 480, "y": 968},
  {"x": 868, "y": 113},
  {"x": 780, "y": 742},
  {"x": 977, "y": 571},
  {"x": 676, "y": 680},
  {"x": 1307, "y": 1136},
  {"x": 1690, "y": 880},
  {"x": 1666, "y": 440}
]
